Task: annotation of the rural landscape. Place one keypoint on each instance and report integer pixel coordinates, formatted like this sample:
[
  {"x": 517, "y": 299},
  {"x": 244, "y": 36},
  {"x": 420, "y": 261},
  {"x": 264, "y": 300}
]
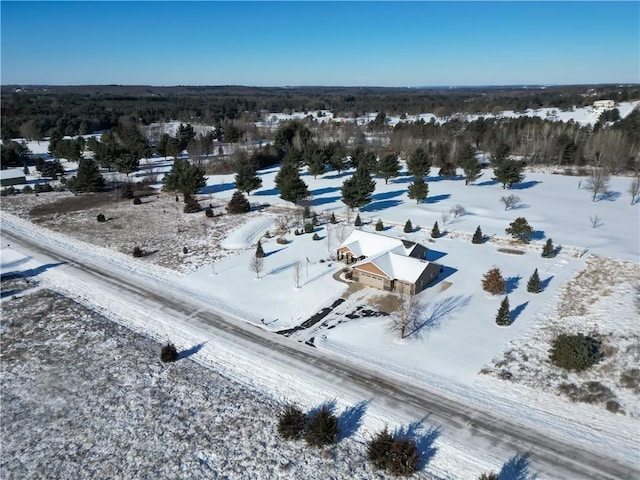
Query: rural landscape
[{"x": 320, "y": 240}]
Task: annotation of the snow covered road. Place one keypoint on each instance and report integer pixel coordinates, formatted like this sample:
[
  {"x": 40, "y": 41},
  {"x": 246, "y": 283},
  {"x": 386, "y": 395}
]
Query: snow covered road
[{"x": 144, "y": 299}]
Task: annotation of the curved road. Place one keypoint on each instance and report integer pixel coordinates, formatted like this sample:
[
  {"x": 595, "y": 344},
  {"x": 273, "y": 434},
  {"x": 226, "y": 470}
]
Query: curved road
[{"x": 550, "y": 457}]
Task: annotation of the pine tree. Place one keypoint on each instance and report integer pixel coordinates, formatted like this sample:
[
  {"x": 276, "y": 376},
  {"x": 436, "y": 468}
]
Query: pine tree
[
  {"x": 259, "y": 250},
  {"x": 315, "y": 160},
  {"x": 291, "y": 423},
  {"x": 493, "y": 282},
  {"x": 238, "y": 203},
  {"x": 389, "y": 167},
  {"x": 508, "y": 172},
  {"x": 435, "y": 231},
  {"x": 356, "y": 191},
  {"x": 169, "y": 353},
  {"x": 358, "y": 222},
  {"x": 379, "y": 226},
  {"x": 246, "y": 178},
  {"x": 466, "y": 157},
  {"x": 447, "y": 170},
  {"x": 520, "y": 229},
  {"x": 408, "y": 227},
  {"x": 88, "y": 178},
  {"x": 292, "y": 187},
  {"x": 533, "y": 285},
  {"x": 322, "y": 429},
  {"x": 503, "y": 317},
  {"x": 477, "y": 236},
  {"x": 332, "y": 219},
  {"x": 418, "y": 163},
  {"x": 418, "y": 190},
  {"x": 548, "y": 251}
]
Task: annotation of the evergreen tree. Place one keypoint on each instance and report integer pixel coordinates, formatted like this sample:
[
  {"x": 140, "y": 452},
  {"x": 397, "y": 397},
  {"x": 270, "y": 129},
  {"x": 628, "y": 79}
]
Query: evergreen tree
[
  {"x": 508, "y": 172},
  {"x": 322, "y": 428},
  {"x": 238, "y": 203},
  {"x": 127, "y": 163},
  {"x": 477, "y": 236},
  {"x": 379, "y": 226},
  {"x": 408, "y": 227},
  {"x": 169, "y": 353},
  {"x": 493, "y": 282},
  {"x": 292, "y": 187},
  {"x": 315, "y": 160},
  {"x": 336, "y": 156},
  {"x": 469, "y": 163},
  {"x": 500, "y": 153},
  {"x": 259, "y": 250},
  {"x": 389, "y": 167},
  {"x": 520, "y": 229},
  {"x": 356, "y": 191},
  {"x": 418, "y": 190},
  {"x": 503, "y": 317},
  {"x": 246, "y": 178},
  {"x": 435, "y": 231},
  {"x": 548, "y": 251},
  {"x": 418, "y": 163},
  {"x": 533, "y": 285},
  {"x": 447, "y": 170},
  {"x": 184, "y": 178},
  {"x": 88, "y": 178},
  {"x": 291, "y": 423},
  {"x": 184, "y": 135},
  {"x": 332, "y": 219},
  {"x": 358, "y": 222}
]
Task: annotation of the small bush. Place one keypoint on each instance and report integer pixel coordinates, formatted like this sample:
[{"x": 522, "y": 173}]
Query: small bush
[
  {"x": 396, "y": 456},
  {"x": 379, "y": 226},
  {"x": 358, "y": 221},
  {"x": 238, "y": 203},
  {"x": 169, "y": 353},
  {"x": 259, "y": 250},
  {"x": 291, "y": 423},
  {"x": 281, "y": 241},
  {"x": 185, "y": 250},
  {"x": 308, "y": 227},
  {"x": 191, "y": 205},
  {"x": 408, "y": 227},
  {"x": 314, "y": 219},
  {"x": 489, "y": 476},
  {"x": 209, "y": 212},
  {"x": 137, "y": 201},
  {"x": 332, "y": 218},
  {"x": 322, "y": 429},
  {"x": 315, "y": 237},
  {"x": 27, "y": 189},
  {"x": 307, "y": 211},
  {"x": 297, "y": 232},
  {"x": 8, "y": 191},
  {"x": 137, "y": 252},
  {"x": 101, "y": 218},
  {"x": 548, "y": 251},
  {"x": 43, "y": 187},
  {"x": 478, "y": 237},
  {"x": 575, "y": 352},
  {"x": 435, "y": 231}
]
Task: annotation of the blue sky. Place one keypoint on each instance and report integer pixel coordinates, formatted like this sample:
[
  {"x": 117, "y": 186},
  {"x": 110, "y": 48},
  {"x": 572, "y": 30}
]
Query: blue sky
[{"x": 320, "y": 43}]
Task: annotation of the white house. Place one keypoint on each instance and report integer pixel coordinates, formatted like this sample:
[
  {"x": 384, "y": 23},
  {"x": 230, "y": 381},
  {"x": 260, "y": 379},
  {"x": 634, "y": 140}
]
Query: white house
[
  {"x": 12, "y": 176},
  {"x": 604, "y": 104}
]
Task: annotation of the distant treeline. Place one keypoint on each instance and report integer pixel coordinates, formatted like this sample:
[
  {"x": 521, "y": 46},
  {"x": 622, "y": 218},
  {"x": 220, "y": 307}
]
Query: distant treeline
[{"x": 39, "y": 111}]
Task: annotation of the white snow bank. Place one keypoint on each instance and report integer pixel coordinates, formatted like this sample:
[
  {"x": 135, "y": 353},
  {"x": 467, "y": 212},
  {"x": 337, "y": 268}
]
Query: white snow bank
[{"x": 248, "y": 234}]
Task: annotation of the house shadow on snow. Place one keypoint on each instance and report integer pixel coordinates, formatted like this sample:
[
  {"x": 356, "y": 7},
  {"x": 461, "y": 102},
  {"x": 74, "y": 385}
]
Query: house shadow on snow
[
  {"x": 423, "y": 439},
  {"x": 350, "y": 420},
  {"x": 191, "y": 351},
  {"x": 517, "y": 468},
  {"x": 434, "y": 255}
]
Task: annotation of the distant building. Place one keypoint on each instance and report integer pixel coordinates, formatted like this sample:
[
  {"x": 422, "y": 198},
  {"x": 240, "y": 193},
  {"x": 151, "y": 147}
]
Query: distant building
[
  {"x": 604, "y": 104},
  {"x": 12, "y": 176},
  {"x": 388, "y": 263}
]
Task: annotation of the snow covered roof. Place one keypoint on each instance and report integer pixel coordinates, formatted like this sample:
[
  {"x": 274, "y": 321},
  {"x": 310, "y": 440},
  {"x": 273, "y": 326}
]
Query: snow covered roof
[
  {"x": 369, "y": 244},
  {"x": 11, "y": 173},
  {"x": 398, "y": 267}
]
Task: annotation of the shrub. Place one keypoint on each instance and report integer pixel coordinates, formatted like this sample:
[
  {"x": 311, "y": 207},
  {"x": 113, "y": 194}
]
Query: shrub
[
  {"x": 8, "y": 191},
  {"x": 169, "y": 353},
  {"x": 489, "y": 476},
  {"x": 408, "y": 227},
  {"x": 281, "y": 241},
  {"x": 101, "y": 218},
  {"x": 297, "y": 232},
  {"x": 548, "y": 251},
  {"x": 435, "y": 231},
  {"x": 137, "y": 252},
  {"x": 307, "y": 211},
  {"x": 315, "y": 237},
  {"x": 314, "y": 219},
  {"x": 209, "y": 212},
  {"x": 379, "y": 226},
  {"x": 396, "y": 456},
  {"x": 575, "y": 352},
  {"x": 238, "y": 203},
  {"x": 457, "y": 211},
  {"x": 191, "y": 205},
  {"x": 27, "y": 189},
  {"x": 493, "y": 282},
  {"x": 185, "y": 250},
  {"x": 137, "y": 201},
  {"x": 520, "y": 230},
  {"x": 43, "y": 187},
  {"x": 291, "y": 423},
  {"x": 308, "y": 227},
  {"x": 332, "y": 218},
  {"x": 322, "y": 429},
  {"x": 358, "y": 221},
  {"x": 259, "y": 250}
]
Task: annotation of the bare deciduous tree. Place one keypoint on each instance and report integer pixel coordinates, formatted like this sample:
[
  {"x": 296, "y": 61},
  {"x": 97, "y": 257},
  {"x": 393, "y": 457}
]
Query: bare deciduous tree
[
  {"x": 510, "y": 201},
  {"x": 595, "y": 221},
  {"x": 297, "y": 273},
  {"x": 256, "y": 264},
  {"x": 634, "y": 189},
  {"x": 329, "y": 231},
  {"x": 597, "y": 181},
  {"x": 457, "y": 211},
  {"x": 444, "y": 216},
  {"x": 407, "y": 316}
]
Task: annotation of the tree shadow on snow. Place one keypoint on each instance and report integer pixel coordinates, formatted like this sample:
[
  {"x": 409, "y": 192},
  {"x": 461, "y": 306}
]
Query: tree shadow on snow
[
  {"x": 273, "y": 252},
  {"x": 350, "y": 420},
  {"x": 437, "y": 198},
  {"x": 330, "y": 404},
  {"x": 220, "y": 187},
  {"x": 424, "y": 440},
  {"x": 191, "y": 351},
  {"x": 545, "y": 283},
  {"x": 321, "y": 191},
  {"x": 511, "y": 283},
  {"x": 271, "y": 191},
  {"x": 323, "y": 201},
  {"x": 487, "y": 183},
  {"x": 428, "y": 316},
  {"x": 517, "y": 468},
  {"x": 537, "y": 235},
  {"x": 32, "y": 272},
  {"x": 376, "y": 206},
  {"x": 610, "y": 196},
  {"x": 525, "y": 185},
  {"x": 281, "y": 268},
  {"x": 515, "y": 313}
]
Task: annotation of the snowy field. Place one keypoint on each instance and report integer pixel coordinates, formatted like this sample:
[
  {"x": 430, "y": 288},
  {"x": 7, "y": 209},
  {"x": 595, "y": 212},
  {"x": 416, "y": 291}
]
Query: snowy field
[{"x": 591, "y": 286}]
